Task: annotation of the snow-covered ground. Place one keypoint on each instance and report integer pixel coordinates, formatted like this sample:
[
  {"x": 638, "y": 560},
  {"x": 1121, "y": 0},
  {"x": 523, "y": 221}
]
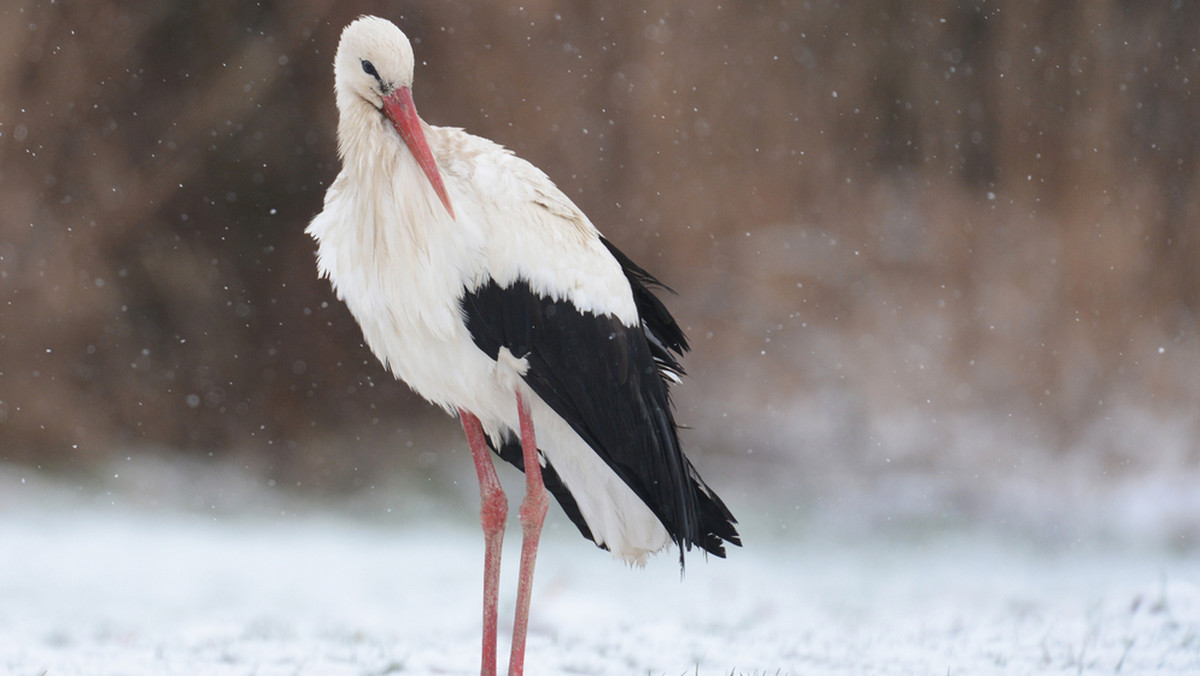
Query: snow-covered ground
[{"x": 100, "y": 583}]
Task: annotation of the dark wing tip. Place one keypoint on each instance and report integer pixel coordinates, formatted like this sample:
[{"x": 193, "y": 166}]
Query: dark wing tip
[{"x": 717, "y": 524}]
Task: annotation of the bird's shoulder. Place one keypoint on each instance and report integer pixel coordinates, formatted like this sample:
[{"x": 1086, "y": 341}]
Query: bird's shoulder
[
  {"x": 510, "y": 184},
  {"x": 534, "y": 232}
]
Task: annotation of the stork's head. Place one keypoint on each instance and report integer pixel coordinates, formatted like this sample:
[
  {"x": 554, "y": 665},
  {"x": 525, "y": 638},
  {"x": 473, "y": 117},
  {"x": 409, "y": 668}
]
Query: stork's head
[{"x": 374, "y": 65}]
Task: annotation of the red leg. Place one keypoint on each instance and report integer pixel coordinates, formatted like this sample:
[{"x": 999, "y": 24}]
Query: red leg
[
  {"x": 493, "y": 512},
  {"x": 533, "y": 513}
]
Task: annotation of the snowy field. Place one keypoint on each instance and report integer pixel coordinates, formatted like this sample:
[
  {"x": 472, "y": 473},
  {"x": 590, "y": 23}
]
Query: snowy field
[{"x": 96, "y": 582}]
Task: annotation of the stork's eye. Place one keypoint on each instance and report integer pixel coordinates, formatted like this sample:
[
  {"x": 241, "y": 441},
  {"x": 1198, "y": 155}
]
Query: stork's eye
[{"x": 369, "y": 69}]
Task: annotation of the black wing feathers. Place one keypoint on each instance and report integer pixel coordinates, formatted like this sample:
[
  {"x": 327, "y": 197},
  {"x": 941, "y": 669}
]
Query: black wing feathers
[
  {"x": 664, "y": 335},
  {"x": 608, "y": 381}
]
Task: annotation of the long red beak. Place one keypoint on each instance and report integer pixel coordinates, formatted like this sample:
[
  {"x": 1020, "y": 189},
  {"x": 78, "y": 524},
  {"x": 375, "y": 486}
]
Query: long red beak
[{"x": 400, "y": 110}]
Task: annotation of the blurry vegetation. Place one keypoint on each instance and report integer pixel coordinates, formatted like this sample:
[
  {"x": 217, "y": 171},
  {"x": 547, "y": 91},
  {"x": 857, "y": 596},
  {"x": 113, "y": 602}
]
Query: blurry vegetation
[{"x": 893, "y": 213}]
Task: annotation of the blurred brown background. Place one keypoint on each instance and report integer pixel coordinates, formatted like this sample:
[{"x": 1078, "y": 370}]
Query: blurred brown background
[{"x": 939, "y": 237}]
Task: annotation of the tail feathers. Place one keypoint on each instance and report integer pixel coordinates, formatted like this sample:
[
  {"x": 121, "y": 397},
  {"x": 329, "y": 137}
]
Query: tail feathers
[
  {"x": 510, "y": 452},
  {"x": 716, "y": 525}
]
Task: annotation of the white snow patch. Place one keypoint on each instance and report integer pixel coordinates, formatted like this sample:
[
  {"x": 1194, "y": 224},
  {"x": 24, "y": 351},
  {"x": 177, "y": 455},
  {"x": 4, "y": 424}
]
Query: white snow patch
[{"x": 88, "y": 587}]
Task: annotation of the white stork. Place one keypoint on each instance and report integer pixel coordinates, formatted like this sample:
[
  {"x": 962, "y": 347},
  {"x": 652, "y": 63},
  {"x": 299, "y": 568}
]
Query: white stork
[{"x": 479, "y": 284}]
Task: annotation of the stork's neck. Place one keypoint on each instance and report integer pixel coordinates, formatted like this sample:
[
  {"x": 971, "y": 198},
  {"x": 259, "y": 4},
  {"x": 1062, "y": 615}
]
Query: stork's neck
[
  {"x": 364, "y": 145},
  {"x": 376, "y": 162}
]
